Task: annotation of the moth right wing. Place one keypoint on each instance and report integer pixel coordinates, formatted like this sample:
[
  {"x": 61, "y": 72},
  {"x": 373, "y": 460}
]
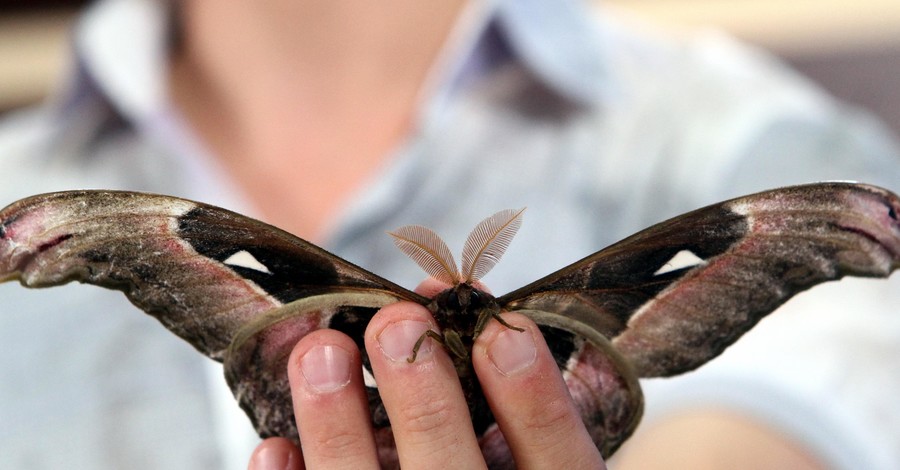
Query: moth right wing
[{"x": 675, "y": 295}]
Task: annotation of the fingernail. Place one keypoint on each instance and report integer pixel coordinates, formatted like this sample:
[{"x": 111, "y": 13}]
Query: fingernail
[
  {"x": 398, "y": 339},
  {"x": 272, "y": 457},
  {"x": 512, "y": 351},
  {"x": 326, "y": 368}
]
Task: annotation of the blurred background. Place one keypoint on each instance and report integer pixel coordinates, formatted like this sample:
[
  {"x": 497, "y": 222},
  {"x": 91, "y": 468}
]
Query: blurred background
[{"x": 851, "y": 47}]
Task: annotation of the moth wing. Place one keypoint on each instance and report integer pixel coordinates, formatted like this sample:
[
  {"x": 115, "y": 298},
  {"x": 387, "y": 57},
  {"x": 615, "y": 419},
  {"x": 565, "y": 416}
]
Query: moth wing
[
  {"x": 235, "y": 288},
  {"x": 675, "y": 295},
  {"x": 204, "y": 272}
]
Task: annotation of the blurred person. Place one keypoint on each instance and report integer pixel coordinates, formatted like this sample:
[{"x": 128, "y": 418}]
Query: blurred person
[{"x": 340, "y": 120}]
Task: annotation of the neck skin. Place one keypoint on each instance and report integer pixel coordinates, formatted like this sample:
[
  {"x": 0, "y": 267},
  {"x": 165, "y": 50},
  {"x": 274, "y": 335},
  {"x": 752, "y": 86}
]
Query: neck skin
[{"x": 302, "y": 100}]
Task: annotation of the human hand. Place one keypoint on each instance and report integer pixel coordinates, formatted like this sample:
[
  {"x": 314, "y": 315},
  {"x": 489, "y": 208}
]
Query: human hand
[{"x": 428, "y": 412}]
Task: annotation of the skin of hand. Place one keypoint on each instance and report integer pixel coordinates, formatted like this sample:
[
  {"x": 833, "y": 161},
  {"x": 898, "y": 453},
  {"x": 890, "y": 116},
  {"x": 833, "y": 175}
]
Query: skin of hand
[{"x": 428, "y": 412}]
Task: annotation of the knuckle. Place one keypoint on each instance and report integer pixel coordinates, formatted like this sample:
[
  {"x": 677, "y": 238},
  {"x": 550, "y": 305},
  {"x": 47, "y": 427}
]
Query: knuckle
[{"x": 427, "y": 417}]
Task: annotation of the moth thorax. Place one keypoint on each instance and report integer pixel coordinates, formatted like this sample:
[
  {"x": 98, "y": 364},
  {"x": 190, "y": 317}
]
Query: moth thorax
[{"x": 462, "y": 300}]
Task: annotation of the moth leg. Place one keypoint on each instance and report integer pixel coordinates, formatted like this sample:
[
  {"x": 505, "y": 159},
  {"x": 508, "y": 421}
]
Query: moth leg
[
  {"x": 454, "y": 343},
  {"x": 500, "y": 319},
  {"x": 428, "y": 334},
  {"x": 485, "y": 316}
]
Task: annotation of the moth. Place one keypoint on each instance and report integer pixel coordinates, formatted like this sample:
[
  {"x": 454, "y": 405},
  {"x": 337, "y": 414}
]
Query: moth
[{"x": 659, "y": 303}]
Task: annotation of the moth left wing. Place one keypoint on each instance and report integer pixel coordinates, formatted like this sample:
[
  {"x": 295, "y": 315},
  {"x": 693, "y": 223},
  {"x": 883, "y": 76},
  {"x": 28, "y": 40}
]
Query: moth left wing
[
  {"x": 204, "y": 272},
  {"x": 235, "y": 288},
  {"x": 677, "y": 294}
]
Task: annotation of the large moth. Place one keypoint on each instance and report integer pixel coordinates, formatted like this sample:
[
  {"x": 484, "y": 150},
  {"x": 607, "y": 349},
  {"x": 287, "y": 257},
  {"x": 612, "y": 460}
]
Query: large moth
[{"x": 659, "y": 303}]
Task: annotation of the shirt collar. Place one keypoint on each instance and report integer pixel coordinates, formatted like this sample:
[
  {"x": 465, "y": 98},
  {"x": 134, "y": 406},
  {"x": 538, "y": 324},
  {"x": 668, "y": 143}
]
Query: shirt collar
[
  {"x": 560, "y": 43},
  {"x": 120, "y": 48},
  {"x": 120, "y": 53}
]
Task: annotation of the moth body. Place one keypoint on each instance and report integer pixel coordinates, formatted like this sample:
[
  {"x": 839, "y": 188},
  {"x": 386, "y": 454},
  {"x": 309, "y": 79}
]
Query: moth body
[
  {"x": 461, "y": 313},
  {"x": 465, "y": 310}
]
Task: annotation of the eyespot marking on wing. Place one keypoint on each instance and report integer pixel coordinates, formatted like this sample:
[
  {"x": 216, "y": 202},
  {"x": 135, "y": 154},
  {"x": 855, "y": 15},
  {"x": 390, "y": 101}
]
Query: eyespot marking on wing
[
  {"x": 683, "y": 259},
  {"x": 243, "y": 259}
]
